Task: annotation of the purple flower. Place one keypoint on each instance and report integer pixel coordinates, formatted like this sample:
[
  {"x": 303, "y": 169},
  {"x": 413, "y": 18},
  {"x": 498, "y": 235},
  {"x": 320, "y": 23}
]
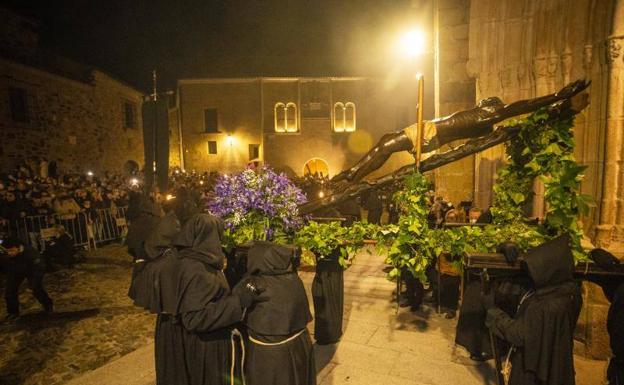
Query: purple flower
[{"x": 264, "y": 196}]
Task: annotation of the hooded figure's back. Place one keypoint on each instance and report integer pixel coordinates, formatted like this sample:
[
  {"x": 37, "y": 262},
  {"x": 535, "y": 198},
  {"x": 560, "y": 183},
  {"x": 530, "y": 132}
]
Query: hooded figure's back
[
  {"x": 287, "y": 309},
  {"x": 280, "y": 351},
  {"x": 542, "y": 331}
]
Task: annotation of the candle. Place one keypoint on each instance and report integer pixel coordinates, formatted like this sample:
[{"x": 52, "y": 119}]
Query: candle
[{"x": 420, "y": 124}]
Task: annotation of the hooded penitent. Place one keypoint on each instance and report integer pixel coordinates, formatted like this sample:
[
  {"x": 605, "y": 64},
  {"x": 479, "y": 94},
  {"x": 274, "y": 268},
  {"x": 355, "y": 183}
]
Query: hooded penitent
[
  {"x": 200, "y": 240},
  {"x": 195, "y": 308},
  {"x": 145, "y": 215},
  {"x": 145, "y": 286},
  {"x": 542, "y": 330},
  {"x": 287, "y": 310},
  {"x": 280, "y": 351}
]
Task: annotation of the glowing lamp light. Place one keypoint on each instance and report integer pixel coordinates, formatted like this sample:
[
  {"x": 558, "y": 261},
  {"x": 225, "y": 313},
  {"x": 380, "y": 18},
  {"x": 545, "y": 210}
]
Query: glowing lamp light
[
  {"x": 90, "y": 173},
  {"x": 321, "y": 194},
  {"x": 169, "y": 197},
  {"x": 230, "y": 140},
  {"x": 201, "y": 182},
  {"x": 134, "y": 182},
  {"x": 412, "y": 43}
]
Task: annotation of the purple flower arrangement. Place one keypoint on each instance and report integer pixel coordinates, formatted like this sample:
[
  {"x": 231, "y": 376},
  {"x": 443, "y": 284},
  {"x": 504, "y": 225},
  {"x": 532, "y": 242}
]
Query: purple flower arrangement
[{"x": 257, "y": 204}]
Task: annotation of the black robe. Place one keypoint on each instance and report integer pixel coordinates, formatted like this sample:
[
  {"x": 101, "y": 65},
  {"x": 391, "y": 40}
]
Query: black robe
[
  {"x": 145, "y": 270},
  {"x": 145, "y": 216},
  {"x": 196, "y": 311},
  {"x": 328, "y": 299},
  {"x": 613, "y": 288},
  {"x": 471, "y": 331},
  {"x": 542, "y": 331},
  {"x": 280, "y": 350},
  {"x": 615, "y": 327}
]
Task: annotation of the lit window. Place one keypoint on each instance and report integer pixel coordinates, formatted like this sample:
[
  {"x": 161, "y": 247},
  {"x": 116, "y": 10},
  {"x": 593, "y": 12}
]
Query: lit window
[
  {"x": 344, "y": 117},
  {"x": 286, "y": 120},
  {"x": 212, "y": 147}
]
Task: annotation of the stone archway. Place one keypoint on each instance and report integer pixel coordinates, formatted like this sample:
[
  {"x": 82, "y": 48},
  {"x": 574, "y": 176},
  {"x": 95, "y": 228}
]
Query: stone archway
[
  {"x": 130, "y": 167},
  {"x": 316, "y": 167}
]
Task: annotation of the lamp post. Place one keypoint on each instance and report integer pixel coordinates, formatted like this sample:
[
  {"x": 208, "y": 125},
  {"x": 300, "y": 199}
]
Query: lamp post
[{"x": 420, "y": 126}]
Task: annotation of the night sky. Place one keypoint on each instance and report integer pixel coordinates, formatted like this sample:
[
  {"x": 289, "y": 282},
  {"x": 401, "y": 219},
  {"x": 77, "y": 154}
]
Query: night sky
[{"x": 203, "y": 38}]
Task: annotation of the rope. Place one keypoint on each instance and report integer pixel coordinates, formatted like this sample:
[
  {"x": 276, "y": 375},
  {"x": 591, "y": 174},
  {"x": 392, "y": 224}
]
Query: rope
[
  {"x": 255, "y": 341},
  {"x": 235, "y": 333},
  {"x": 506, "y": 370}
]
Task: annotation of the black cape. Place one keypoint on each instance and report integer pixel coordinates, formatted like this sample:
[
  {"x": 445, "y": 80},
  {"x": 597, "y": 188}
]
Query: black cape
[
  {"x": 471, "y": 331},
  {"x": 145, "y": 218},
  {"x": 328, "y": 299},
  {"x": 196, "y": 310},
  {"x": 542, "y": 331},
  {"x": 146, "y": 271},
  {"x": 613, "y": 288},
  {"x": 280, "y": 321}
]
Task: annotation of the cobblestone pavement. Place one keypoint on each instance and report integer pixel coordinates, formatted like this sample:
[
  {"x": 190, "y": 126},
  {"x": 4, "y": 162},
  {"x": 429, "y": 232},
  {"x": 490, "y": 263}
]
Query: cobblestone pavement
[{"x": 94, "y": 322}]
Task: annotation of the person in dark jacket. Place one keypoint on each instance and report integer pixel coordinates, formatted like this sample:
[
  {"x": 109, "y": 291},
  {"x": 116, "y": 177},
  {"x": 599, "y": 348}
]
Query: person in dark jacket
[
  {"x": 196, "y": 310},
  {"x": 541, "y": 333},
  {"x": 374, "y": 205},
  {"x": 23, "y": 262},
  {"x": 280, "y": 349},
  {"x": 613, "y": 289}
]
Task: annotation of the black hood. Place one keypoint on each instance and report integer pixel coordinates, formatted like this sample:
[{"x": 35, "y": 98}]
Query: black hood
[
  {"x": 270, "y": 259},
  {"x": 163, "y": 236},
  {"x": 200, "y": 239},
  {"x": 286, "y": 309},
  {"x": 148, "y": 206},
  {"x": 550, "y": 263}
]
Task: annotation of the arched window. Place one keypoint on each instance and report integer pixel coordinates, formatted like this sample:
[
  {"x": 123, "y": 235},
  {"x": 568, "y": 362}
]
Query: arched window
[
  {"x": 316, "y": 167},
  {"x": 344, "y": 117},
  {"x": 286, "y": 119}
]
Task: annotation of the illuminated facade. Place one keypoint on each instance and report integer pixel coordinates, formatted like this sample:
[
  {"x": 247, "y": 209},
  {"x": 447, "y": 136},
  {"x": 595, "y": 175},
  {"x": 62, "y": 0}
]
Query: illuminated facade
[{"x": 285, "y": 122}]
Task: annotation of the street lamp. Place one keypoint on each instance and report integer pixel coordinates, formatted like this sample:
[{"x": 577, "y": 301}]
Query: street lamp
[
  {"x": 412, "y": 44},
  {"x": 230, "y": 140}
]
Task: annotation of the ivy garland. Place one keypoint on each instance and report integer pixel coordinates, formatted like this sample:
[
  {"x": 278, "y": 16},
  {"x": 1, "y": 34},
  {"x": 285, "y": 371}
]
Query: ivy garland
[
  {"x": 410, "y": 244},
  {"x": 543, "y": 149},
  {"x": 326, "y": 239}
]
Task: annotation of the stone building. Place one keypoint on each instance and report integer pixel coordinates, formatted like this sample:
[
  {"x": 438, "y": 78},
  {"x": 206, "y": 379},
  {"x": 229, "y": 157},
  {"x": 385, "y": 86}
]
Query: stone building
[
  {"x": 60, "y": 110},
  {"x": 292, "y": 124}
]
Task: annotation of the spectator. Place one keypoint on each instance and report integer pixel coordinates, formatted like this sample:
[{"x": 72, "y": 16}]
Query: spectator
[{"x": 23, "y": 262}]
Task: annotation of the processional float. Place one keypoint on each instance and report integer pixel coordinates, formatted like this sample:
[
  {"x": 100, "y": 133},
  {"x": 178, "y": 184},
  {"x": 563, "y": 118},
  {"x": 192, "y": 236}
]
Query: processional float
[{"x": 477, "y": 125}]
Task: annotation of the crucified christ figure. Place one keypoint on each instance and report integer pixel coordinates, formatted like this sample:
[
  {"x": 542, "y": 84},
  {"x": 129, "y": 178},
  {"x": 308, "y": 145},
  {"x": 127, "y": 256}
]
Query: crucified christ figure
[{"x": 476, "y": 122}]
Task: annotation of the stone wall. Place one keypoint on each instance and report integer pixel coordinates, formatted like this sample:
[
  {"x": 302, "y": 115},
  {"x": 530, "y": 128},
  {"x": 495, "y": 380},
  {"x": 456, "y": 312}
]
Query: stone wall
[
  {"x": 77, "y": 124},
  {"x": 238, "y": 115},
  {"x": 521, "y": 49},
  {"x": 455, "y": 181}
]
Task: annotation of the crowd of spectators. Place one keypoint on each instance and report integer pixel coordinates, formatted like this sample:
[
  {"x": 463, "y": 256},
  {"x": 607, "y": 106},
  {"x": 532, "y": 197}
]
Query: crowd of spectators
[
  {"x": 32, "y": 189},
  {"x": 29, "y": 191}
]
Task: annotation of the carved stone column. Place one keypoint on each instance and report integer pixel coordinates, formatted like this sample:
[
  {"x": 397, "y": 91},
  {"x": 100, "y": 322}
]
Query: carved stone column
[{"x": 610, "y": 231}]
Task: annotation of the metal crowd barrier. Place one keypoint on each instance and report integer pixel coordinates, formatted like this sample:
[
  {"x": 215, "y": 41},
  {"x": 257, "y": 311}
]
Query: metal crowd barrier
[{"x": 105, "y": 226}]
